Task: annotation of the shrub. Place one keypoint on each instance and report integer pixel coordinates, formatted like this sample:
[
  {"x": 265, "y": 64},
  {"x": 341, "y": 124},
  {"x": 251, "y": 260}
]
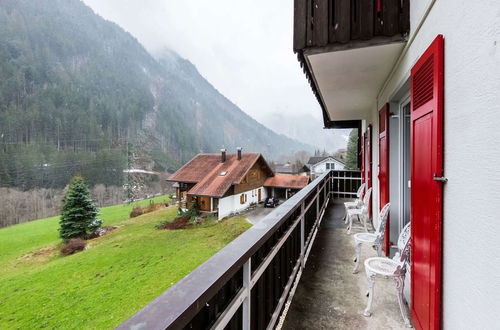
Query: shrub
[
  {"x": 72, "y": 246},
  {"x": 152, "y": 207},
  {"x": 139, "y": 210},
  {"x": 79, "y": 212},
  {"x": 191, "y": 212},
  {"x": 136, "y": 211},
  {"x": 181, "y": 222},
  {"x": 183, "y": 219}
]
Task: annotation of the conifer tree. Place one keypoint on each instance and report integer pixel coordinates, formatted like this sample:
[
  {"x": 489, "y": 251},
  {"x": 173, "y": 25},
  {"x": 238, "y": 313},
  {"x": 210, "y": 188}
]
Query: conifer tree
[
  {"x": 79, "y": 212},
  {"x": 352, "y": 151}
]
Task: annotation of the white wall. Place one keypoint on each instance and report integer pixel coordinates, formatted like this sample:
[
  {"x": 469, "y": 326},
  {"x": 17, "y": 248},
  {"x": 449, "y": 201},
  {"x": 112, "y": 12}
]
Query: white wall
[
  {"x": 471, "y": 248},
  {"x": 231, "y": 204},
  {"x": 320, "y": 167}
]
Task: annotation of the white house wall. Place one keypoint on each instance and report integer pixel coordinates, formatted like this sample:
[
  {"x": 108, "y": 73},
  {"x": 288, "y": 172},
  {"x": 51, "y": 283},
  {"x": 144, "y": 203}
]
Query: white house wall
[
  {"x": 471, "y": 227},
  {"x": 320, "y": 167},
  {"x": 231, "y": 204}
]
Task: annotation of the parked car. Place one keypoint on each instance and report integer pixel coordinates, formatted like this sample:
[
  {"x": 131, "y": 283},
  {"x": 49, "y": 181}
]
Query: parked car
[{"x": 271, "y": 202}]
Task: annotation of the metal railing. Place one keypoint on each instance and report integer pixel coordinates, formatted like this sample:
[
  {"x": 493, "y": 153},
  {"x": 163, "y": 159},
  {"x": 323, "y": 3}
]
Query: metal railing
[
  {"x": 345, "y": 183},
  {"x": 246, "y": 284}
]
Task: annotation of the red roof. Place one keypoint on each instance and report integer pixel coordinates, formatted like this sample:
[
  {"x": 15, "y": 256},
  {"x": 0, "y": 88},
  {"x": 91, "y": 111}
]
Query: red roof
[
  {"x": 287, "y": 181},
  {"x": 207, "y": 171}
]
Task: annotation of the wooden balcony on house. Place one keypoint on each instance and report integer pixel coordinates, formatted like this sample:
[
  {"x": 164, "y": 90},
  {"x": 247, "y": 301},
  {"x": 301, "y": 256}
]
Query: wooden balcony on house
[{"x": 341, "y": 24}]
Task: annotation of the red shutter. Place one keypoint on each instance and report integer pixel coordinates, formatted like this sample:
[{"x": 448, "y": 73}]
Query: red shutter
[
  {"x": 368, "y": 156},
  {"x": 368, "y": 169},
  {"x": 426, "y": 192},
  {"x": 383, "y": 174},
  {"x": 363, "y": 160}
]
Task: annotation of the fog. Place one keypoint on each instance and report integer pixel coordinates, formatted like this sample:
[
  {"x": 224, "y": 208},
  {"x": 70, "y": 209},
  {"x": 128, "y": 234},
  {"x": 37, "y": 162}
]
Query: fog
[{"x": 244, "y": 47}]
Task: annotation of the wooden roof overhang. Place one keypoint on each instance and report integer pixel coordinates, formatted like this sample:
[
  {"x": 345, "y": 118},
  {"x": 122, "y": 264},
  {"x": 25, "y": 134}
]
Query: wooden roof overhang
[{"x": 338, "y": 44}]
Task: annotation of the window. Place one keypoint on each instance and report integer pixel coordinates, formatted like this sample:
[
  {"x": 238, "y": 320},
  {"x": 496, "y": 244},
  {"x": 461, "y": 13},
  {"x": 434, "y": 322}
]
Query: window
[
  {"x": 330, "y": 166},
  {"x": 243, "y": 198}
]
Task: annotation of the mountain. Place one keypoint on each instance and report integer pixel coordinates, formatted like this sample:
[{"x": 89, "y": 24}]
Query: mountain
[
  {"x": 308, "y": 129},
  {"x": 79, "y": 94}
]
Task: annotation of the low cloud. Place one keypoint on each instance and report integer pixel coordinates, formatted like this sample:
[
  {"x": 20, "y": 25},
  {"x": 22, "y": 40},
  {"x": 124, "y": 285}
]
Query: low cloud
[{"x": 244, "y": 47}]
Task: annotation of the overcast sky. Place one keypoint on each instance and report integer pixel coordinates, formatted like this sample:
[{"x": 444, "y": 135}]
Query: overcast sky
[{"x": 243, "y": 47}]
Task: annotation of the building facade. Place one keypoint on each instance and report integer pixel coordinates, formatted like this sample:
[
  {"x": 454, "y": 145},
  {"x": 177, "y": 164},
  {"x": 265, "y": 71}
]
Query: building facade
[
  {"x": 422, "y": 80},
  {"x": 319, "y": 165}
]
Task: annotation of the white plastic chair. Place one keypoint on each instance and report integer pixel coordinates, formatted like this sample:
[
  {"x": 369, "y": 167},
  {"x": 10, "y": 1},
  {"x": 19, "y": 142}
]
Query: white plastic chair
[
  {"x": 376, "y": 239},
  {"x": 395, "y": 268},
  {"x": 361, "y": 213},
  {"x": 356, "y": 204}
]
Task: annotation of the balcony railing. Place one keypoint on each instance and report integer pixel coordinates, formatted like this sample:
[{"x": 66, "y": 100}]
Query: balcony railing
[
  {"x": 345, "y": 183},
  {"x": 247, "y": 283},
  {"x": 318, "y": 23}
]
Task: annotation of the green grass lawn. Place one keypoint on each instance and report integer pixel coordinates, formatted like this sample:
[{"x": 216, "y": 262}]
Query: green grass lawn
[
  {"x": 107, "y": 283},
  {"x": 18, "y": 240}
]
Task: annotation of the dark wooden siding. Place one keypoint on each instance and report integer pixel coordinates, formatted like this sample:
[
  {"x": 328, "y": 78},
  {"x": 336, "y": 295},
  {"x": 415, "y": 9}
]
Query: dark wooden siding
[
  {"x": 318, "y": 23},
  {"x": 254, "y": 179}
]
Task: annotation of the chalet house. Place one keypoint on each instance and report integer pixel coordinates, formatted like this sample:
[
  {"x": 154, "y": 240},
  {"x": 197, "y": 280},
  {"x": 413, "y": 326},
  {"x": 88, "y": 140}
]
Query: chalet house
[
  {"x": 223, "y": 184},
  {"x": 319, "y": 165}
]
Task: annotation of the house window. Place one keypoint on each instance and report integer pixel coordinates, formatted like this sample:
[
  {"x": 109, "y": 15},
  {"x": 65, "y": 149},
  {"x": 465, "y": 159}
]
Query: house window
[
  {"x": 330, "y": 166},
  {"x": 243, "y": 198}
]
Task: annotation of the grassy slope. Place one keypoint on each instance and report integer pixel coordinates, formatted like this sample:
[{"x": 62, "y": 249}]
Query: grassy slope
[
  {"x": 104, "y": 285},
  {"x": 18, "y": 240}
]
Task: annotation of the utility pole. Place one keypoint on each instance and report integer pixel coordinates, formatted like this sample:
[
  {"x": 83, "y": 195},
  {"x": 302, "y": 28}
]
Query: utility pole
[{"x": 129, "y": 182}]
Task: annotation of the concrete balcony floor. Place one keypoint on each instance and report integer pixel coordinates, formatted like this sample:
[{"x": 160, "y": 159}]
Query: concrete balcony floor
[{"x": 329, "y": 296}]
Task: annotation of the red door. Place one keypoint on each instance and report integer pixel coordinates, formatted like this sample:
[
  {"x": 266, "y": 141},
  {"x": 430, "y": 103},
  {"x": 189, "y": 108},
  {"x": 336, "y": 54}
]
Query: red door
[
  {"x": 368, "y": 165},
  {"x": 426, "y": 192},
  {"x": 383, "y": 173}
]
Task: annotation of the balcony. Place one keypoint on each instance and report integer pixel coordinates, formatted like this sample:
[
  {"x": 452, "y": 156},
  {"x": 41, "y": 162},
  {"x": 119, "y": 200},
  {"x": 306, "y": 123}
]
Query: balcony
[
  {"x": 347, "y": 49},
  {"x": 329, "y": 296},
  {"x": 292, "y": 270}
]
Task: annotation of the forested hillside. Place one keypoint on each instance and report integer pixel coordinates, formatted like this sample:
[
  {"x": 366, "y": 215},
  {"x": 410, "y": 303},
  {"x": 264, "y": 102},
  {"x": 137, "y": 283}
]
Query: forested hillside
[
  {"x": 77, "y": 92},
  {"x": 79, "y": 95}
]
